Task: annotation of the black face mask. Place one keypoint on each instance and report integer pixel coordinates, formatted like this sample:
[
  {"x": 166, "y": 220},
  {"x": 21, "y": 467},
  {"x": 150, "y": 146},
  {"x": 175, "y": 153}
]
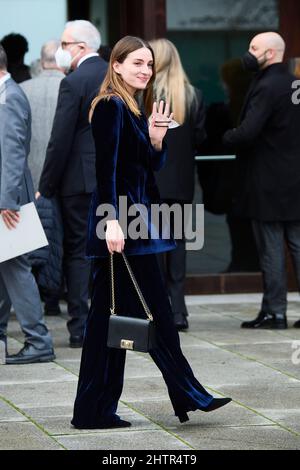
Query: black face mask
[{"x": 251, "y": 63}]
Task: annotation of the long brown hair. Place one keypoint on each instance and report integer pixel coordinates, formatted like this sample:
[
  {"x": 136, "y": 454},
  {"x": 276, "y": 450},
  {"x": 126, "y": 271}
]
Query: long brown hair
[
  {"x": 113, "y": 84},
  {"x": 172, "y": 84}
]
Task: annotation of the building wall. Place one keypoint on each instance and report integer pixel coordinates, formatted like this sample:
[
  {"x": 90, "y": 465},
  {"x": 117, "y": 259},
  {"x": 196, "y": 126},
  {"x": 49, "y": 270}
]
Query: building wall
[{"x": 37, "y": 20}]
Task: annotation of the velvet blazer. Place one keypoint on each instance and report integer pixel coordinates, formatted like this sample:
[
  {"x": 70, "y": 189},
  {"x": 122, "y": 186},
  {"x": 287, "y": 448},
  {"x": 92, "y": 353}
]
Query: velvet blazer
[{"x": 125, "y": 164}]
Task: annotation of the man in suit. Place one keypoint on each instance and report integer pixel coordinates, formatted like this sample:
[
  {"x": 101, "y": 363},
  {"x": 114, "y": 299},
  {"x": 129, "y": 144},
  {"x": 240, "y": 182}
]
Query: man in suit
[
  {"x": 42, "y": 94},
  {"x": 268, "y": 143},
  {"x": 69, "y": 168},
  {"x": 17, "y": 284}
]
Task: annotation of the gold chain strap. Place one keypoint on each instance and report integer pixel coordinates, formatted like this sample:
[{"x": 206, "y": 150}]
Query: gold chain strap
[{"x": 141, "y": 297}]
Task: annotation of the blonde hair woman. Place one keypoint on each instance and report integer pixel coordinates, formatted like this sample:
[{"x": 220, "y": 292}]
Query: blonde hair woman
[
  {"x": 176, "y": 179},
  {"x": 127, "y": 152}
]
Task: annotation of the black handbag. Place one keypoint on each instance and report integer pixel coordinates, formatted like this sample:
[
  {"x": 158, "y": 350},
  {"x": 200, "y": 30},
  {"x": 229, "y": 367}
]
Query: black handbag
[{"x": 131, "y": 333}]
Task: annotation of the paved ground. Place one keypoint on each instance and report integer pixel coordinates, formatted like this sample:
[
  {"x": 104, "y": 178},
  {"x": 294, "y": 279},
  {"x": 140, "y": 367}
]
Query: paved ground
[{"x": 255, "y": 368}]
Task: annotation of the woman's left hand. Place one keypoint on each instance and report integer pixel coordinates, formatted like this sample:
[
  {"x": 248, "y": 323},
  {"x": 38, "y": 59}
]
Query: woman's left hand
[{"x": 159, "y": 123}]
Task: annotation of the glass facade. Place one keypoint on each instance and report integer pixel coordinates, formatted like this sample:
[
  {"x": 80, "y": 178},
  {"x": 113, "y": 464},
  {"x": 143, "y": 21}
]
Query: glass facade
[{"x": 207, "y": 35}]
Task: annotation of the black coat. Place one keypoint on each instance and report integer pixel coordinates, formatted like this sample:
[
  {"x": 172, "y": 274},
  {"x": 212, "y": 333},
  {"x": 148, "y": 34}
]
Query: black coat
[
  {"x": 268, "y": 147},
  {"x": 69, "y": 167},
  {"x": 47, "y": 261},
  {"x": 176, "y": 179}
]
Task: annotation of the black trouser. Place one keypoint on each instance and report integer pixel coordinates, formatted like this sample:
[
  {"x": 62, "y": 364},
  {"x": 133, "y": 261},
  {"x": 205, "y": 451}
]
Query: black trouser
[
  {"x": 270, "y": 239},
  {"x": 102, "y": 369},
  {"x": 75, "y": 211},
  {"x": 173, "y": 266}
]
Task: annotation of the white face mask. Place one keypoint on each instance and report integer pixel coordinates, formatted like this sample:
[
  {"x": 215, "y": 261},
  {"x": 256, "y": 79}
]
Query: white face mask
[{"x": 64, "y": 58}]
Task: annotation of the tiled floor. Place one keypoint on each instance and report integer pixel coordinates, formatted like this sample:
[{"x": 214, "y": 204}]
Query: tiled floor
[{"x": 258, "y": 369}]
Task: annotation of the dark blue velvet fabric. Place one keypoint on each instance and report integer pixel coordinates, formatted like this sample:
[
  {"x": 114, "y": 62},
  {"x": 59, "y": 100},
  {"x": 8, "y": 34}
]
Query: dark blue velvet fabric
[
  {"x": 102, "y": 369},
  {"x": 125, "y": 165}
]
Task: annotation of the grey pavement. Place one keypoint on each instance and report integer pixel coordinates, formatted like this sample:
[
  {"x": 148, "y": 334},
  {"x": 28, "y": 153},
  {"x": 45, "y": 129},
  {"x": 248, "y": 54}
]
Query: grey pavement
[{"x": 260, "y": 370}]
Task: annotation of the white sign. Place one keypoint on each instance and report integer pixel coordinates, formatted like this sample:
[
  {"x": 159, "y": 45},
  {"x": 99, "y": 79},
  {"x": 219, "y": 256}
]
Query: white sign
[{"x": 29, "y": 234}]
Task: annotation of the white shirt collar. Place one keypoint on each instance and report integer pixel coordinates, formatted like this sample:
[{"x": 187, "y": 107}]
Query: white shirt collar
[
  {"x": 4, "y": 78},
  {"x": 91, "y": 54}
]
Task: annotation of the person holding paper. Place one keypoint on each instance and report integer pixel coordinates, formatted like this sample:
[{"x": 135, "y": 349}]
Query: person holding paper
[
  {"x": 42, "y": 94},
  {"x": 17, "y": 284}
]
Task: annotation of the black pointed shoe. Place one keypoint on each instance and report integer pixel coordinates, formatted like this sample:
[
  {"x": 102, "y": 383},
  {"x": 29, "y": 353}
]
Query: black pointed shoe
[
  {"x": 120, "y": 423},
  {"x": 297, "y": 324},
  {"x": 266, "y": 321},
  {"x": 217, "y": 403},
  {"x": 214, "y": 405},
  {"x": 30, "y": 355}
]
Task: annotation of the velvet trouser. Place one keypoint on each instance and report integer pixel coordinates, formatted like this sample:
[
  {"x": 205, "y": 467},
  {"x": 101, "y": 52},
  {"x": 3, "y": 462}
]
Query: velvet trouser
[{"x": 102, "y": 369}]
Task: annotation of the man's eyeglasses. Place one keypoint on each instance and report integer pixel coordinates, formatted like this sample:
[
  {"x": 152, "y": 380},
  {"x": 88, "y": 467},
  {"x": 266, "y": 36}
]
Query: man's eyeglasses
[{"x": 65, "y": 43}]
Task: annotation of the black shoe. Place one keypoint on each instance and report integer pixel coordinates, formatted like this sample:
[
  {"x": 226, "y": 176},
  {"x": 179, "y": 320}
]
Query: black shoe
[
  {"x": 118, "y": 424},
  {"x": 180, "y": 322},
  {"x": 30, "y": 355},
  {"x": 266, "y": 321},
  {"x": 76, "y": 341},
  {"x": 217, "y": 403},
  {"x": 297, "y": 324},
  {"x": 214, "y": 405},
  {"x": 52, "y": 310},
  {"x": 121, "y": 423}
]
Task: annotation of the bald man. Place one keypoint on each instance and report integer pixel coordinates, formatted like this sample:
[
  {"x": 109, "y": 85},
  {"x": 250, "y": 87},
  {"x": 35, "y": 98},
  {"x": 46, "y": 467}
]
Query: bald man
[{"x": 267, "y": 143}]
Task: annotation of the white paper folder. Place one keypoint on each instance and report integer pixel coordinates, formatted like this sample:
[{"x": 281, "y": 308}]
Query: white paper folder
[{"x": 28, "y": 236}]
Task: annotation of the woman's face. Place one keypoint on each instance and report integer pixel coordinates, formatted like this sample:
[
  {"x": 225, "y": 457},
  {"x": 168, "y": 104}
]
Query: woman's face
[{"x": 136, "y": 70}]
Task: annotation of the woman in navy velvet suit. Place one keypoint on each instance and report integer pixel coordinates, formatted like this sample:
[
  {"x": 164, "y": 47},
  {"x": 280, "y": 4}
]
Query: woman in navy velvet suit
[{"x": 128, "y": 150}]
